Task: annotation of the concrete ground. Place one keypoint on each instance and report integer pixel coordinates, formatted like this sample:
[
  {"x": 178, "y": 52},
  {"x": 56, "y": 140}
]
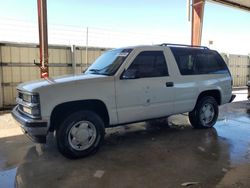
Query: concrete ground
[
  {"x": 137, "y": 155},
  {"x": 241, "y": 94}
]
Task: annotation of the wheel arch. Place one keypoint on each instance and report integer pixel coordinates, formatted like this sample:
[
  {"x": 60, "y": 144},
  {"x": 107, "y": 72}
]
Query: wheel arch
[
  {"x": 215, "y": 93},
  {"x": 62, "y": 110}
]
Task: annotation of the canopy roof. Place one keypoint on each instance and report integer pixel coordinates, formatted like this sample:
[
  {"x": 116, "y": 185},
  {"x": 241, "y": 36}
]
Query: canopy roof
[{"x": 242, "y": 4}]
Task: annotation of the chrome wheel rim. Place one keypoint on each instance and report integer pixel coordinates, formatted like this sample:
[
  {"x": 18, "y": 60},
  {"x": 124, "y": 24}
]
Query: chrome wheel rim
[
  {"x": 82, "y": 135},
  {"x": 207, "y": 114}
]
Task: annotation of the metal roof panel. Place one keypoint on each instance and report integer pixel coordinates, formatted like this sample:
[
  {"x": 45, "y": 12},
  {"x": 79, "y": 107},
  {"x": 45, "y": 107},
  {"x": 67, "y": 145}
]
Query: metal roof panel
[{"x": 241, "y": 4}]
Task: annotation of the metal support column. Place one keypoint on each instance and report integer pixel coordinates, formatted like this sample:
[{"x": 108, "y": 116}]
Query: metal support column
[
  {"x": 73, "y": 58},
  {"x": 43, "y": 37},
  {"x": 197, "y": 21},
  {"x": 86, "y": 50}
]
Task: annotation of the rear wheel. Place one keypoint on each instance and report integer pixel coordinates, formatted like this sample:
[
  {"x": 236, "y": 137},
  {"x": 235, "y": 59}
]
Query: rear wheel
[
  {"x": 80, "y": 134},
  {"x": 205, "y": 113}
]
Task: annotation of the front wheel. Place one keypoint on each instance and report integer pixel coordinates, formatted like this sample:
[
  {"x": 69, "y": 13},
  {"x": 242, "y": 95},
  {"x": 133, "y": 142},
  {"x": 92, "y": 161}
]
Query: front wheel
[
  {"x": 80, "y": 134},
  {"x": 205, "y": 113}
]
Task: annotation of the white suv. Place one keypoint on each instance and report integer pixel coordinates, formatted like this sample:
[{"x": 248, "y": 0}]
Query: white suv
[{"x": 124, "y": 85}]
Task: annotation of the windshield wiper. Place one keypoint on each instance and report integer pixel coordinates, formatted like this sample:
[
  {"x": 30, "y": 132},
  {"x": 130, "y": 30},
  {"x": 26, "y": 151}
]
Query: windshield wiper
[
  {"x": 94, "y": 70},
  {"x": 97, "y": 71}
]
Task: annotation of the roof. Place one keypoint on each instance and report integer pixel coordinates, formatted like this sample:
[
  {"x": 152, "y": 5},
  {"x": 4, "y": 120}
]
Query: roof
[{"x": 241, "y": 4}]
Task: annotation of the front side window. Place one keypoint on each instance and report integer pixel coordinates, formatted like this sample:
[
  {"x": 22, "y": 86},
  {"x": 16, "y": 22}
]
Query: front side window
[
  {"x": 198, "y": 61},
  {"x": 109, "y": 62},
  {"x": 149, "y": 64}
]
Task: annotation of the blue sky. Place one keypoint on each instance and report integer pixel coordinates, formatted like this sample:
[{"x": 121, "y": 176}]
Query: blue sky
[
  {"x": 101, "y": 13},
  {"x": 229, "y": 28}
]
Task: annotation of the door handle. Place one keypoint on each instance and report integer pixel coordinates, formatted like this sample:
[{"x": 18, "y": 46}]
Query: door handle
[{"x": 169, "y": 84}]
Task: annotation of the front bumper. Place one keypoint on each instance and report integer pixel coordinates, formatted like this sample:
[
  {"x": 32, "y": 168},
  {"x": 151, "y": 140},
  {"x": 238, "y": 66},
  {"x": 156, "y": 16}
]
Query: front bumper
[{"x": 35, "y": 129}]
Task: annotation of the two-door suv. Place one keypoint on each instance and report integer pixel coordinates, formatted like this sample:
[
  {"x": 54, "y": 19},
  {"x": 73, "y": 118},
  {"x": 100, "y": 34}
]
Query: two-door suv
[{"x": 124, "y": 85}]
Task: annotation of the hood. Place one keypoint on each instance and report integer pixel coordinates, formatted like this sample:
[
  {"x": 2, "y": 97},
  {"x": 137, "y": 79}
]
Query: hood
[{"x": 33, "y": 85}]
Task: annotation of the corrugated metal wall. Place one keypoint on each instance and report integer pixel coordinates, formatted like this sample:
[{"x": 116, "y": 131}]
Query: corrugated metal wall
[
  {"x": 225, "y": 57},
  {"x": 239, "y": 66},
  {"x": 17, "y": 65}
]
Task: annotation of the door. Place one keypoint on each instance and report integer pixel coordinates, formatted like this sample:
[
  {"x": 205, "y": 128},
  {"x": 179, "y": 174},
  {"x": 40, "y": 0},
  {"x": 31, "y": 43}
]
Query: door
[{"x": 145, "y": 89}]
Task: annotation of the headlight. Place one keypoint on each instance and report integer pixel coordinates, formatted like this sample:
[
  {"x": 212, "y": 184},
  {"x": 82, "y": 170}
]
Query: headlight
[{"x": 30, "y": 98}]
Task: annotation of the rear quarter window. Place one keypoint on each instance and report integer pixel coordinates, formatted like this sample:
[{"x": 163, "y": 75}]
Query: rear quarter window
[{"x": 193, "y": 61}]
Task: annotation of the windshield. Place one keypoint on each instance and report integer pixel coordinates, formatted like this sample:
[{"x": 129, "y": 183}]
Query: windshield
[{"x": 109, "y": 62}]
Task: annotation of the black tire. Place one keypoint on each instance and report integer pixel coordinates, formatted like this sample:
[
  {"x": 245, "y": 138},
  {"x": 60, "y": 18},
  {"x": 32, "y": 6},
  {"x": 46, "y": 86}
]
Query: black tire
[
  {"x": 196, "y": 117},
  {"x": 64, "y": 134}
]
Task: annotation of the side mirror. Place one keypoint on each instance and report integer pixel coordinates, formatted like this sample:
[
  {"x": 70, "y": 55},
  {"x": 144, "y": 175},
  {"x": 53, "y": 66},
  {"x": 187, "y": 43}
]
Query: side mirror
[{"x": 129, "y": 74}]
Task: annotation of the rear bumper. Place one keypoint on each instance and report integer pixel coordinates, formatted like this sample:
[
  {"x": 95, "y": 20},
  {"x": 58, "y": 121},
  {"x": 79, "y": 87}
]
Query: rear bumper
[
  {"x": 35, "y": 129},
  {"x": 232, "y": 98}
]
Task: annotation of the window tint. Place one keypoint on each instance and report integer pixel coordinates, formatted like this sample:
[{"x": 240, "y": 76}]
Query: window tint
[
  {"x": 198, "y": 61},
  {"x": 150, "y": 64}
]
